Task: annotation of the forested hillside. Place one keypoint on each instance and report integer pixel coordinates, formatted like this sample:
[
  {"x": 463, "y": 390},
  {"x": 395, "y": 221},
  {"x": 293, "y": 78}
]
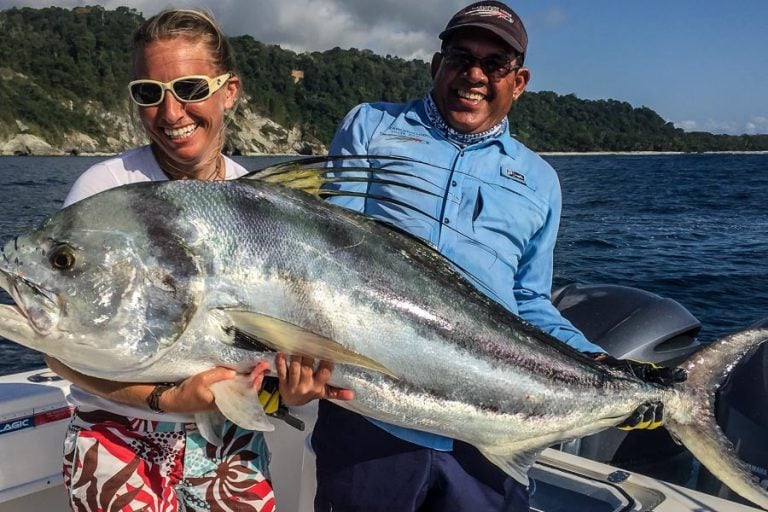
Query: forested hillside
[
  {"x": 63, "y": 71},
  {"x": 58, "y": 67}
]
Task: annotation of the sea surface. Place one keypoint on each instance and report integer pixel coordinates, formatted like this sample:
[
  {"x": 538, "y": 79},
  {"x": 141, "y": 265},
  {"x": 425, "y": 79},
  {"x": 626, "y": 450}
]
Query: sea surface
[{"x": 693, "y": 228}]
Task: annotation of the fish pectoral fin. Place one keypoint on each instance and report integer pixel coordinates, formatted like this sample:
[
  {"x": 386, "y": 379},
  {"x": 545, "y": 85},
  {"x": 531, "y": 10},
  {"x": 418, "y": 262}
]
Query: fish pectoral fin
[
  {"x": 515, "y": 465},
  {"x": 294, "y": 340},
  {"x": 210, "y": 424},
  {"x": 238, "y": 400}
]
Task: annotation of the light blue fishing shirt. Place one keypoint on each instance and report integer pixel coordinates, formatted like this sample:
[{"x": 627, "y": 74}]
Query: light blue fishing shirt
[{"x": 497, "y": 204}]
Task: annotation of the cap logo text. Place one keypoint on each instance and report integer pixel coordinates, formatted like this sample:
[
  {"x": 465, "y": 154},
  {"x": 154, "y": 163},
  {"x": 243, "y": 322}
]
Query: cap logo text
[{"x": 488, "y": 10}]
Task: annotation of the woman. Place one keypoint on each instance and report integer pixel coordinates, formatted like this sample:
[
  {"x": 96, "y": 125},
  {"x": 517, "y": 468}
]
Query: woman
[{"x": 135, "y": 446}]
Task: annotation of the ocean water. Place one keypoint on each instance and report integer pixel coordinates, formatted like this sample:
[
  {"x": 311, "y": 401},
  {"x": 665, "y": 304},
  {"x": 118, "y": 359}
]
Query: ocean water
[{"x": 693, "y": 228}]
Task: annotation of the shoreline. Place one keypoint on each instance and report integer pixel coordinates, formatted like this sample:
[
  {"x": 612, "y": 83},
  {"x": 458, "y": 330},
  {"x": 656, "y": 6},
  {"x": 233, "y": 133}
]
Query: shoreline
[
  {"x": 647, "y": 153},
  {"x": 541, "y": 153}
]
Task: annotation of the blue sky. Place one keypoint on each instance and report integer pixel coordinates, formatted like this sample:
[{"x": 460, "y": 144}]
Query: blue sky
[{"x": 701, "y": 64}]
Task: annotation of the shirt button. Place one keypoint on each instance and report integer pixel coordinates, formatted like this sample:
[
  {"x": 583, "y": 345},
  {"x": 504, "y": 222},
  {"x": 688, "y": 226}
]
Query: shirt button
[
  {"x": 446, "y": 221},
  {"x": 453, "y": 183}
]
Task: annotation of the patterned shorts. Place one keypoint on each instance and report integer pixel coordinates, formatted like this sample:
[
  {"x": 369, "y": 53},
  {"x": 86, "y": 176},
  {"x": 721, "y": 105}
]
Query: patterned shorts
[{"x": 115, "y": 463}]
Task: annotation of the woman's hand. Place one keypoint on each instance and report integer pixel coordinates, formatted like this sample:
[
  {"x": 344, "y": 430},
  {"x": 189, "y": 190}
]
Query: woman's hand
[
  {"x": 194, "y": 393},
  {"x": 301, "y": 382},
  {"x": 189, "y": 396}
]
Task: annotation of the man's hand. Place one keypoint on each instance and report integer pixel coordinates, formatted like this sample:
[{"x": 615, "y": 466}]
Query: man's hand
[
  {"x": 649, "y": 372},
  {"x": 301, "y": 383},
  {"x": 649, "y": 415}
]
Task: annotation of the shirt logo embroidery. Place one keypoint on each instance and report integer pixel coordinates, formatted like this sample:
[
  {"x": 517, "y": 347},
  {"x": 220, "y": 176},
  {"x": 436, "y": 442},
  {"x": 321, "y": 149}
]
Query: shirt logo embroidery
[
  {"x": 404, "y": 138},
  {"x": 511, "y": 173}
]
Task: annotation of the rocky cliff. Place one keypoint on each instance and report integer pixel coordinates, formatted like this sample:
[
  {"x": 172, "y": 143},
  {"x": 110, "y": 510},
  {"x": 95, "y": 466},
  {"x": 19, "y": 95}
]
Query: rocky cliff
[{"x": 112, "y": 132}]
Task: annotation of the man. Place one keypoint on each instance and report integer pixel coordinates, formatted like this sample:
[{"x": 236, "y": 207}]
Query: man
[{"x": 494, "y": 213}]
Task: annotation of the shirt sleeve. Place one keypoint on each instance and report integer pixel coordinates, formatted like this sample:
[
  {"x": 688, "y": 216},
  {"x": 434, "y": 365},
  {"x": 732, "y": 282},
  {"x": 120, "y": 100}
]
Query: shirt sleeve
[
  {"x": 94, "y": 180},
  {"x": 533, "y": 283}
]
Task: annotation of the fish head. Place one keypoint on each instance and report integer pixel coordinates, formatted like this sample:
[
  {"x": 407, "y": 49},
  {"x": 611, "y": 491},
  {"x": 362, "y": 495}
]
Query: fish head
[{"x": 99, "y": 283}]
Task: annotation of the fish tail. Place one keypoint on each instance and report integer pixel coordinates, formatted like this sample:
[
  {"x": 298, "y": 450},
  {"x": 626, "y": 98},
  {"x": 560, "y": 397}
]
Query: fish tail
[{"x": 690, "y": 413}]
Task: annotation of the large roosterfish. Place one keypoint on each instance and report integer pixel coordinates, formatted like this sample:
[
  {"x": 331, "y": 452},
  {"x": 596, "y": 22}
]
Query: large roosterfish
[{"x": 155, "y": 282}]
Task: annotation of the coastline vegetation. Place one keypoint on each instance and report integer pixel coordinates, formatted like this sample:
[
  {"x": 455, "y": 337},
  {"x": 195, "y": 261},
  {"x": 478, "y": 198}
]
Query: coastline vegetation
[{"x": 59, "y": 68}]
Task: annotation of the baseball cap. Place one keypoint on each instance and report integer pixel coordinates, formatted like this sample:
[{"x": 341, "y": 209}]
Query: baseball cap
[{"x": 495, "y": 17}]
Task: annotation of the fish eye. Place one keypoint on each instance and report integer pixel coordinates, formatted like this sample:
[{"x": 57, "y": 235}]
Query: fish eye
[{"x": 62, "y": 258}]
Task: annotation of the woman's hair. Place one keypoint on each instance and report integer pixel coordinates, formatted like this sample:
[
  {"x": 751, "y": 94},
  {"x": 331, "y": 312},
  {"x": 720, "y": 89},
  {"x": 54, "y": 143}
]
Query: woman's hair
[
  {"x": 195, "y": 26},
  {"x": 191, "y": 24}
]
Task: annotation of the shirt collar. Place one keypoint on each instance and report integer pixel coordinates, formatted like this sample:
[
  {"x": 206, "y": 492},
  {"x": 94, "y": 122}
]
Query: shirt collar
[{"x": 458, "y": 138}]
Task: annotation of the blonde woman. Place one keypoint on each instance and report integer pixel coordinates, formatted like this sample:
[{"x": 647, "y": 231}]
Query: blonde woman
[{"x": 135, "y": 446}]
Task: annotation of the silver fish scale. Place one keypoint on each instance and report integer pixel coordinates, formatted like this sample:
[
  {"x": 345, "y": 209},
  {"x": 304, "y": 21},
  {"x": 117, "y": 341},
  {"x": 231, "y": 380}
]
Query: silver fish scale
[
  {"x": 331, "y": 268},
  {"x": 155, "y": 274}
]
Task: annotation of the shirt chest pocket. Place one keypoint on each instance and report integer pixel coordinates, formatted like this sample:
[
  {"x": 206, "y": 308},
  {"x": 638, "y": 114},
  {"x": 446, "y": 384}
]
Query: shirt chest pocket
[{"x": 502, "y": 217}]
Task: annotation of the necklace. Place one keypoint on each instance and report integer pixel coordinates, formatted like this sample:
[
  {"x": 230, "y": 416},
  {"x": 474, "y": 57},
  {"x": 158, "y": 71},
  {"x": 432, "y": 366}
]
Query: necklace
[
  {"x": 176, "y": 173},
  {"x": 216, "y": 170}
]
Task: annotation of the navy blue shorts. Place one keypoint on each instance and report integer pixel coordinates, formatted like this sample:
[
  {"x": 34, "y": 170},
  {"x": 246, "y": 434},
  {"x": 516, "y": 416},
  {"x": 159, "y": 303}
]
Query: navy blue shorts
[{"x": 362, "y": 468}]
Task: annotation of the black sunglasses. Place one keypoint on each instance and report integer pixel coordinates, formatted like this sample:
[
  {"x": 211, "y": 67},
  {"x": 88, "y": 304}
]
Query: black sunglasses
[
  {"x": 186, "y": 89},
  {"x": 495, "y": 67}
]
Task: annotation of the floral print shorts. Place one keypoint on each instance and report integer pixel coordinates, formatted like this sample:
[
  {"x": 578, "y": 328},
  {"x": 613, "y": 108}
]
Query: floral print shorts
[{"x": 120, "y": 464}]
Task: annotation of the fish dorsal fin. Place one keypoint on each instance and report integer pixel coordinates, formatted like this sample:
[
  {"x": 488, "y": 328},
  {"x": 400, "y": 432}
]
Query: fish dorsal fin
[
  {"x": 312, "y": 175},
  {"x": 294, "y": 340}
]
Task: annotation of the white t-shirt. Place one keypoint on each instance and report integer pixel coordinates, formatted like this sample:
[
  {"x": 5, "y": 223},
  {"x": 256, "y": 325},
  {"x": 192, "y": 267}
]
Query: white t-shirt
[{"x": 133, "y": 166}]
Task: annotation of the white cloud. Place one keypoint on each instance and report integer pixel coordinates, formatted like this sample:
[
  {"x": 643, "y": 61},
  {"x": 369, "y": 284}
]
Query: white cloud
[
  {"x": 688, "y": 125},
  {"x": 719, "y": 126},
  {"x": 754, "y": 126},
  {"x": 555, "y": 16},
  {"x": 404, "y": 28},
  {"x": 757, "y": 125},
  {"x": 323, "y": 24},
  {"x": 387, "y": 27}
]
